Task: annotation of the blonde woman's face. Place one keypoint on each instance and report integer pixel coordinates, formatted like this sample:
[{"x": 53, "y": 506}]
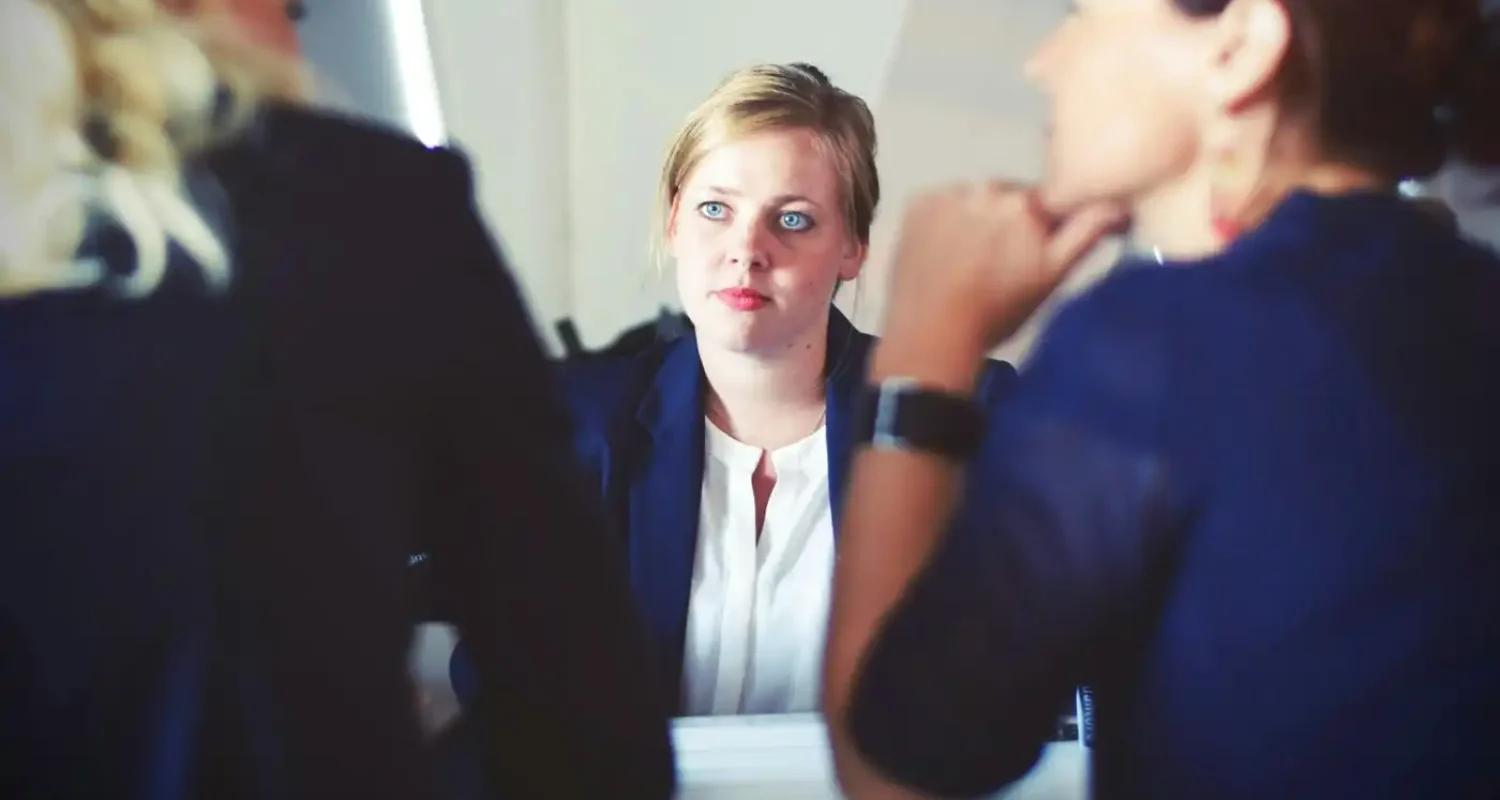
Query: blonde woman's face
[{"x": 760, "y": 242}]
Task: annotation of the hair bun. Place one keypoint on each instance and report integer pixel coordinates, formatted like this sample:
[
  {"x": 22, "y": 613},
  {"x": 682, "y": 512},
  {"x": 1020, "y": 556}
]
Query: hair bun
[{"x": 817, "y": 74}]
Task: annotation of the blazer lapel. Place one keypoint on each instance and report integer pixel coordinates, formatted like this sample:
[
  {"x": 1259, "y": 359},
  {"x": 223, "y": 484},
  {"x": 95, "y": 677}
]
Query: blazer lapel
[
  {"x": 664, "y": 499},
  {"x": 664, "y": 496},
  {"x": 847, "y": 350}
]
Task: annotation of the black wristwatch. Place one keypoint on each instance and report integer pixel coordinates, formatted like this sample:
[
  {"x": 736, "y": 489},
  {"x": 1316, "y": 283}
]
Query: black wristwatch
[{"x": 901, "y": 414}]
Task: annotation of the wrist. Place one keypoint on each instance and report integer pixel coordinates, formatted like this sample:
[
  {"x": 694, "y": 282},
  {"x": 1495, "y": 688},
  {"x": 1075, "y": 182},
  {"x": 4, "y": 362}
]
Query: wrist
[{"x": 945, "y": 359}]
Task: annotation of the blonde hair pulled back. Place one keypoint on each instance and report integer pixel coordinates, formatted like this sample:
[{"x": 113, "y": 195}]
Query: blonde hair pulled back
[{"x": 778, "y": 97}]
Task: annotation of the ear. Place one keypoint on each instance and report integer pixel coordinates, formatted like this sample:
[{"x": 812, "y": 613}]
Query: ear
[
  {"x": 1254, "y": 39},
  {"x": 854, "y": 261}
]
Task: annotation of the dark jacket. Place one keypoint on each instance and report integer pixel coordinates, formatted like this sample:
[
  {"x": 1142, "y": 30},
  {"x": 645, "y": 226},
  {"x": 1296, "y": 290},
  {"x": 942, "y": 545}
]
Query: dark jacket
[
  {"x": 639, "y": 433},
  {"x": 207, "y": 505},
  {"x": 1253, "y": 504}
]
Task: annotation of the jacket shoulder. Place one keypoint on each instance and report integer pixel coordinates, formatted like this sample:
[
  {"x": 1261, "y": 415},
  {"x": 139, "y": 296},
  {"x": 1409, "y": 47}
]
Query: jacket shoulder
[
  {"x": 319, "y": 151},
  {"x": 600, "y": 391}
]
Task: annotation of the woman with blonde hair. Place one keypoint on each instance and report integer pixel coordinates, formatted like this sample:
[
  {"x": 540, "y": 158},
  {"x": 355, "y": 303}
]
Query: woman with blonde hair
[
  {"x": 250, "y": 358},
  {"x": 721, "y": 456}
]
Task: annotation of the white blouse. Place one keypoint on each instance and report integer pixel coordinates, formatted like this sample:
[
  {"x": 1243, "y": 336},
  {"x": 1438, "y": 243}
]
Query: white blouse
[{"x": 758, "y": 610}]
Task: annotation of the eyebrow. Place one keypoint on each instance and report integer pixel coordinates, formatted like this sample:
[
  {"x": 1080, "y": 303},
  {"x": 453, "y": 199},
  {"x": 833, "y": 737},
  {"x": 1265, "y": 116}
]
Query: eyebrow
[{"x": 778, "y": 200}]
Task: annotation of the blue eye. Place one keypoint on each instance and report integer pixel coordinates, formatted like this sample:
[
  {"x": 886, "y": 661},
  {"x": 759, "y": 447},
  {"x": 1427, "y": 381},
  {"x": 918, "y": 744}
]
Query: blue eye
[
  {"x": 795, "y": 221},
  {"x": 713, "y": 210}
]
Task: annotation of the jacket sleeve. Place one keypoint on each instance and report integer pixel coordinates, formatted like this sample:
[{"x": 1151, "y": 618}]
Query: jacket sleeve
[
  {"x": 1046, "y": 570},
  {"x": 566, "y": 705}
]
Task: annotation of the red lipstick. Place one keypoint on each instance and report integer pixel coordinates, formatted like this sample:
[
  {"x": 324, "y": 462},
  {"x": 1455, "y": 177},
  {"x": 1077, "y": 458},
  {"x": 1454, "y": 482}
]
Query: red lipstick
[{"x": 742, "y": 299}]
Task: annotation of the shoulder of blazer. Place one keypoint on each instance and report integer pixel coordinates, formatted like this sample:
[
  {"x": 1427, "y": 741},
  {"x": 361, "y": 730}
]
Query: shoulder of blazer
[
  {"x": 330, "y": 156},
  {"x": 603, "y": 392}
]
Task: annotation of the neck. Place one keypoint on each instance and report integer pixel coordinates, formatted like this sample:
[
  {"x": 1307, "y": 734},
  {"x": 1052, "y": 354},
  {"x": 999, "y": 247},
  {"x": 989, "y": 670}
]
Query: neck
[
  {"x": 1174, "y": 220},
  {"x": 767, "y": 400}
]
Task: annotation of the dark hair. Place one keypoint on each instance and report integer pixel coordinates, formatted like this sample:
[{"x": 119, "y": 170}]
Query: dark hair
[
  {"x": 1395, "y": 86},
  {"x": 813, "y": 72}
]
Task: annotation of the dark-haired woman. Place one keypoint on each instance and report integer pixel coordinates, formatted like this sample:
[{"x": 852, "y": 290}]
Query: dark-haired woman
[{"x": 1252, "y": 502}]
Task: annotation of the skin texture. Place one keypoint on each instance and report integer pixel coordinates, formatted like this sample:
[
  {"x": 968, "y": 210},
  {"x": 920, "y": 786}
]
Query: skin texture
[
  {"x": 1122, "y": 78},
  {"x": 762, "y": 212}
]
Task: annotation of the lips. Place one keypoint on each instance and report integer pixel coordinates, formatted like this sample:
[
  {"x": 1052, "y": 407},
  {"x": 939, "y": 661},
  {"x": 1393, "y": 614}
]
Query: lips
[{"x": 742, "y": 299}]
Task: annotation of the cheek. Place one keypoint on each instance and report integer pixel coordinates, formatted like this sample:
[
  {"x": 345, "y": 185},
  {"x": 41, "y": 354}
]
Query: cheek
[
  {"x": 692, "y": 275},
  {"x": 1124, "y": 120},
  {"x": 695, "y": 247},
  {"x": 810, "y": 269}
]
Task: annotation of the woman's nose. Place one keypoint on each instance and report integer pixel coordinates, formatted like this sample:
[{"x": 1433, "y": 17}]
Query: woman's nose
[{"x": 752, "y": 245}]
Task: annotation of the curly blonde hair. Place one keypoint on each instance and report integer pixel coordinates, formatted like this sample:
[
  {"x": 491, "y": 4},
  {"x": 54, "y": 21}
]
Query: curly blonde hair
[{"x": 102, "y": 103}]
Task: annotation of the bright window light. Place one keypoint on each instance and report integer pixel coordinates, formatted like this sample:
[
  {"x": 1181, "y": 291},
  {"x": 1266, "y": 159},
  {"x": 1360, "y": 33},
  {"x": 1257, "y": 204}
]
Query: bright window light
[{"x": 419, "y": 91}]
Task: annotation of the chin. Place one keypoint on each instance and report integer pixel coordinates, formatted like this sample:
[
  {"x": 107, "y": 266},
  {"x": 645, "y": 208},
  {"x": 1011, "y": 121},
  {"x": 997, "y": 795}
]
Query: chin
[
  {"x": 733, "y": 335},
  {"x": 1078, "y": 179},
  {"x": 1058, "y": 197},
  {"x": 1061, "y": 196}
]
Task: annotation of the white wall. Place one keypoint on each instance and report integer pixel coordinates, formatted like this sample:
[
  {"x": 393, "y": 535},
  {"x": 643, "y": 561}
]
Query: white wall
[
  {"x": 349, "y": 47},
  {"x": 502, "y": 82}
]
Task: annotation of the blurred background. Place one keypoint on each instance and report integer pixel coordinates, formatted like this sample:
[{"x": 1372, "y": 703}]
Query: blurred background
[{"x": 565, "y": 108}]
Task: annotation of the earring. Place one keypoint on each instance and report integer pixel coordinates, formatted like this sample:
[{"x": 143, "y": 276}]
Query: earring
[
  {"x": 1229, "y": 182},
  {"x": 1226, "y": 230},
  {"x": 1235, "y": 182}
]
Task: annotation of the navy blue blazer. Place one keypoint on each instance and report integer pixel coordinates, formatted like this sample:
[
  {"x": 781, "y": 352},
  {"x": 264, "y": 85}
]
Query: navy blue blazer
[
  {"x": 639, "y": 428},
  {"x": 207, "y": 504},
  {"x": 1252, "y": 502}
]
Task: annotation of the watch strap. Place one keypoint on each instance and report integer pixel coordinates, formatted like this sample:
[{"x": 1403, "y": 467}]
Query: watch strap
[{"x": 901, "y": 414}]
